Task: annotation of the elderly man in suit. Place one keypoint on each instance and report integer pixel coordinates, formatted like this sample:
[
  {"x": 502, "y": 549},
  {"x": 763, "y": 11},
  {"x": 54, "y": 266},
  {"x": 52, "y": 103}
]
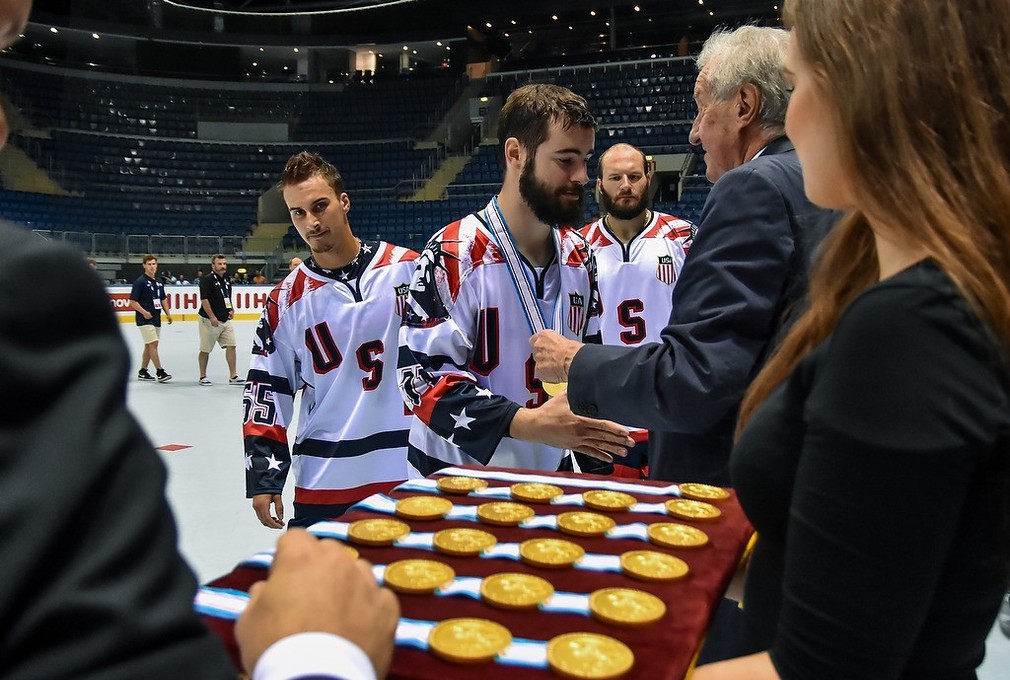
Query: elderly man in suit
[{"x": 736, "y": 294}]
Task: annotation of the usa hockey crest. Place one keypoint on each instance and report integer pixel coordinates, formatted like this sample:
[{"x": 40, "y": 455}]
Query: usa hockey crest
[
  {"x": 664, "y": 270},
  {"x": 401, "y": 298},
  {"x": 576, "y": 312}
]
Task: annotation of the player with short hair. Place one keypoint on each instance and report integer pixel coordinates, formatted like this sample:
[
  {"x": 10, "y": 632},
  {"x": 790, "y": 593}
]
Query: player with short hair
[
  {"x": 484, "y": 284},
  {"x": 329, "y": 330}
]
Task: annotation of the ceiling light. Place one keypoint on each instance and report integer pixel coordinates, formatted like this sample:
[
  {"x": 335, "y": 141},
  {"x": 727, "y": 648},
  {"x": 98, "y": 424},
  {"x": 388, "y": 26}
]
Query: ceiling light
[
  {"x": 488, "y": 24},
  {"x": 438, "y": 43},
  {"x": 637, "y": 8},
  {"x": 592, "y": 12},
  {"x": 296, "y": 50},
  {"x": 95, "y": 36},
  {"x": 53, "y": 29},
  {"x": 554, "y": 16}
]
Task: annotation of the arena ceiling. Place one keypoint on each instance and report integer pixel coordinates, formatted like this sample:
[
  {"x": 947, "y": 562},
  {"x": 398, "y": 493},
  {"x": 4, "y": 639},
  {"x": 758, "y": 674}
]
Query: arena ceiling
[{"x": 98, "y": 32}]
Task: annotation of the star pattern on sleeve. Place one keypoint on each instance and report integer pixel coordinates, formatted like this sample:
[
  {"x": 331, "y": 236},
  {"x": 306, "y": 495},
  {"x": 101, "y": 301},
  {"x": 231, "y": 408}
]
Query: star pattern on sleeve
[{"x": 461, "y": 419}]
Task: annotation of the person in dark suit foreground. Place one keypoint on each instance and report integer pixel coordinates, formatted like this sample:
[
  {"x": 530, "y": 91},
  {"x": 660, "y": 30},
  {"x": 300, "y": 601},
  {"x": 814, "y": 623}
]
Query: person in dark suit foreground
[
  {"x": 93, "y": 585},
  {"x": 744, "y": 276}
]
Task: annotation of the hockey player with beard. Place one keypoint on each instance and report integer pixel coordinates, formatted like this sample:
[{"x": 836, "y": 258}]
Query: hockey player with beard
[
  {"x": 639, "y": 253},
  {"x": 484, "y": 284},
  {"x": 328, "y": 329}
]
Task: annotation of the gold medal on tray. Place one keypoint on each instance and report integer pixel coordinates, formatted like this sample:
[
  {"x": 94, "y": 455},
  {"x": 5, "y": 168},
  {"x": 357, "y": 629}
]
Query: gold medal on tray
[
  {"x": 649, "y": 565},
  {"x": 580, "y": 523},
  {"x": 703, "y": 492},
  {"x": 554, "y": 389},
  {"x": 613, "y": 501},
  {"x": 463, "y": 542},
  {"x": 377, "y": 531},
  {"x": 673, "y": 535},
  {"x": 696, "y": 510},
  {"x": 417, "y": 577},
  {"x": 533, "y": 492},
  {"x": 626, "y": 606},
  {"x": 354, "y": 553},
  {"x": 467, "y": 640},
  {"x": 552, "y": 553},
  {"x": 423, "y": 507},
  {"x": 589, "y": 655},
  {"x": 512, "y": 590},
  {"x": 460, "y": 486},
  {"x": 504, "y": 513}
]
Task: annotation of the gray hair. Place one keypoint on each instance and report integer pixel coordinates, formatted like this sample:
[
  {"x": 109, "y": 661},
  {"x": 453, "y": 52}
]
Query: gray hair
[{"x": 750, "y": 54}]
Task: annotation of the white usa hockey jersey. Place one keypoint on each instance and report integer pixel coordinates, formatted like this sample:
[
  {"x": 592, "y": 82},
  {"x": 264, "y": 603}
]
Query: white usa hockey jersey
[
  {"x": 465, "y": 363},
  {"x": 636, "y": 280},
  {"x": 332, "y": 335}
]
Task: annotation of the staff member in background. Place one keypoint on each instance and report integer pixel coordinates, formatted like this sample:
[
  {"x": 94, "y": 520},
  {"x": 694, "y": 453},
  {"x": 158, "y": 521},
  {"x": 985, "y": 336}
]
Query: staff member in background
[
  {"x": 146, "y": 300},
  {"x": 216, "y": 314}
]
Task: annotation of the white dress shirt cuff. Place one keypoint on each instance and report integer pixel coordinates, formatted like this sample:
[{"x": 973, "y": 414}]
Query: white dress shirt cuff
[{"x": 313, "y": 654}]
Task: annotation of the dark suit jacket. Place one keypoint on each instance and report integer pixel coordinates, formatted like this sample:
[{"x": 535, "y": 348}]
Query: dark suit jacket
[
  {"x": 93, "y": 585},
  {"x": 745, "y": 274}
]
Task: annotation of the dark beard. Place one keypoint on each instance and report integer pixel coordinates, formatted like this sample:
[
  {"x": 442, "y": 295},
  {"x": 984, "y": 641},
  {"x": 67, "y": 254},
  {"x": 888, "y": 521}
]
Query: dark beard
[
  {"x": 623, "y": 213},
  {"x": 544, "y": 204}
]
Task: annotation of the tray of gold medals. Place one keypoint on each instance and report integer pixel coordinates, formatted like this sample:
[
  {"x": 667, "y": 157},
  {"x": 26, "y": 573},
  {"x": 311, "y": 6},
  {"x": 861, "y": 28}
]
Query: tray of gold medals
[{"x": 526, "y": 574}]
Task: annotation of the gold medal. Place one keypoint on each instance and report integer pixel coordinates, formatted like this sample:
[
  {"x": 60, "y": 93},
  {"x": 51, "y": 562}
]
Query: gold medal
[
  {"x": 696, "y": 510},
  {"x": 354, "y": 553},
  {"x": 377, "y": 531},
  {"x": 608, "y": 500},
  {"x": 553, "y": 553},
  {"x": 649, "y": 565},
  {"x": 626, "y": 606},
  {"x": 515, "y": 591},
  {"x": 672, "y": 535},
  {"x": 589, "y": 655},
  {"x": 423, "y": 507},
  {"x": 504, "y": 513},
  {"x": 460, "y": 486},
  {"x": 463, "y": 542},
  {"x": 580, "y": 523},
  {"x": 703, "y": 492},
  {"x": 417, "y": 577},
  {"x": 532, "y": 492},
  {"x": 554, "y": 389},
  {"x": 466, "y": 640}
]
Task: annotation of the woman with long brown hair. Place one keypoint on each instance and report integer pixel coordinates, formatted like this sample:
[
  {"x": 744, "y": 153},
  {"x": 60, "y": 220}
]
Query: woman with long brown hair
[{"x": 873, "y": 451}]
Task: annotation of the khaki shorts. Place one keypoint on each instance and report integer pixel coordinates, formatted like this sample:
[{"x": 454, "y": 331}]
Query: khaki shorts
[
  {"x": 223, "y": 335},
  {"x": 149, "y": 333}
]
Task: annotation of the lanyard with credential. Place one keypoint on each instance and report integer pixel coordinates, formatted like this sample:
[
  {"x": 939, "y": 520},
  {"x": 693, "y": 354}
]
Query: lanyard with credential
[{"x": 520, "y": 279}]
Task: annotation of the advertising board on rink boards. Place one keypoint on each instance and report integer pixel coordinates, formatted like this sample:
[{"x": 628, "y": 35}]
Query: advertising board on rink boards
[{"x": 184, "y": 302}]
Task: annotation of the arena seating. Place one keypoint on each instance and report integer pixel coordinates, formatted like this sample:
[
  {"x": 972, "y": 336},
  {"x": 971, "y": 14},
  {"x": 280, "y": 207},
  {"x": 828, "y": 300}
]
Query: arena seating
[{"x": 129, "y": 153}]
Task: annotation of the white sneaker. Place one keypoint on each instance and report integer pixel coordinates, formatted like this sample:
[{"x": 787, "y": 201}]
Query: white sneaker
[
  {"x": 236, "y": 381},
  {"x": 205, "y": 382}
]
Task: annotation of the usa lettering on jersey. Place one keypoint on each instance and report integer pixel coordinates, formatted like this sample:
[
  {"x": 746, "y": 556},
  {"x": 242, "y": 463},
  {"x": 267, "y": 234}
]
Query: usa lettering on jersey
[
  {"x": 636, "y": 280},
  {"x": 330, "y": 336},
  {"x": 465, "y": 363}
]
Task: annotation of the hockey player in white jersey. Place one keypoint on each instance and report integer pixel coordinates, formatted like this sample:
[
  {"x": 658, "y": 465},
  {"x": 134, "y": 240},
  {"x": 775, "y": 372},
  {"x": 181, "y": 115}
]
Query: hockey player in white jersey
[
  {"x": 328, "y": 330},
  {"x": 639, "y": 254},
  {"x": 486, "y": 283}
]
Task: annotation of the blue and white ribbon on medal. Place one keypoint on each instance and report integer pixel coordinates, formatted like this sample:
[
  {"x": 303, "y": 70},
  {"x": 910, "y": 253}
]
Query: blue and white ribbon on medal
[{"x": 520, "y": 279}]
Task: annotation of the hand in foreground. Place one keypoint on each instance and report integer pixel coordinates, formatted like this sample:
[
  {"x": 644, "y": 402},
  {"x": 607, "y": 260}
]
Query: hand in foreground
[
  {"x": 555, "y": 424},
  {"x": 553, "y": 354},
  {"x": 318, "y": 586},
  {"x": 261, "y": 504}
]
